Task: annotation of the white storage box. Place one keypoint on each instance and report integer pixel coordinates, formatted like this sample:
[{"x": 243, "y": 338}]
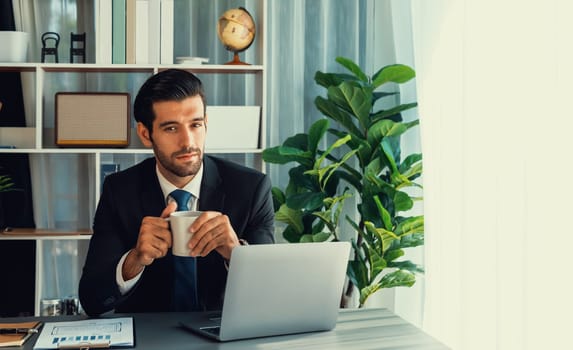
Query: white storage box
[
  {"x": 233, "y": 127},
  {"x": 13, "y": 46}
]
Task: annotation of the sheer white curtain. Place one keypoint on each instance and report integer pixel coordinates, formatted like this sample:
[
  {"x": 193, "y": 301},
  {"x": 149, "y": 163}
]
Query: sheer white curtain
[
  {"x": 304, "y": 37},
  {"x": 493, "y": 83}
]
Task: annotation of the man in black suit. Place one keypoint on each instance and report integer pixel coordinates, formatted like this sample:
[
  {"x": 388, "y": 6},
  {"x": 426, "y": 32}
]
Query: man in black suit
[{"x": 129, "y": 265}]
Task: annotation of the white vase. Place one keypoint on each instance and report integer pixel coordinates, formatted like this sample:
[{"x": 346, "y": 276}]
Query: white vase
[{"x": 13, "y": 46}]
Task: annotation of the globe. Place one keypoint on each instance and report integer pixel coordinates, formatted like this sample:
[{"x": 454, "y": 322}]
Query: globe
[{"x": 236, "y": 30}]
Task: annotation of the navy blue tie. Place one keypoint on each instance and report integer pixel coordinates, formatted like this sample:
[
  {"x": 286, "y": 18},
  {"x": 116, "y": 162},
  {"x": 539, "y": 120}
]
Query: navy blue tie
[{"x": 185, "y": 296}]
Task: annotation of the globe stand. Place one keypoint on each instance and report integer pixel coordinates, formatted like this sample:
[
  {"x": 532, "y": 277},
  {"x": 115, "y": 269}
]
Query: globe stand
[{"x": 237, "y": 61}]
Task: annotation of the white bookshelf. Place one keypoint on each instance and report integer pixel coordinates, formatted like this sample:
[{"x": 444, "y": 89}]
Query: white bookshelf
[{"x": 37, "y": 138}]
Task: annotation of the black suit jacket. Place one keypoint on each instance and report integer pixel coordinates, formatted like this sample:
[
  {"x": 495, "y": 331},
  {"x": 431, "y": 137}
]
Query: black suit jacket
[{"x": 128, "y": 196}]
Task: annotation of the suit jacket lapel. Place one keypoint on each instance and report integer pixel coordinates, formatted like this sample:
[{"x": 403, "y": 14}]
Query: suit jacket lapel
[
  {"x": 212, "y": 197},
  {"x": 152, "y": 200}
]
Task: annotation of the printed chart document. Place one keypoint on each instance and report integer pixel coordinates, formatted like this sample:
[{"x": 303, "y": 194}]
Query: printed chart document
[{"x": 93, "y": 333}]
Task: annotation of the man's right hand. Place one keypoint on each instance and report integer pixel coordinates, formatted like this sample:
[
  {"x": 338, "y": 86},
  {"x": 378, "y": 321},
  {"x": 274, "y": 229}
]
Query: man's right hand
[{"x": 153, "y": 242}]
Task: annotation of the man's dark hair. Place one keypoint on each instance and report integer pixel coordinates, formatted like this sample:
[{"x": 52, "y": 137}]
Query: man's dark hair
[{"x": 167, "y": 85}]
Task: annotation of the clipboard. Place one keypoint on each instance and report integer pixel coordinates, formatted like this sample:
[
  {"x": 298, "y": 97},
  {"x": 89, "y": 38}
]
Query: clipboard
[
  {"x": 87, "y": 334},
  {"x": 18, "y": 339},
  {"x": 86, "y": 346}
]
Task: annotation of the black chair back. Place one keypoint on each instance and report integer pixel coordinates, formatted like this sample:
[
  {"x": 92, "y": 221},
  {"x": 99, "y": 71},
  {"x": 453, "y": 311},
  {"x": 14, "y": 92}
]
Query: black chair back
[{"x": 50, "y": 42}]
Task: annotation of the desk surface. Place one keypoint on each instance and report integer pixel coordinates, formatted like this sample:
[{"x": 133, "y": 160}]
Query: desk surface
[{"x": 355, "y": 329}]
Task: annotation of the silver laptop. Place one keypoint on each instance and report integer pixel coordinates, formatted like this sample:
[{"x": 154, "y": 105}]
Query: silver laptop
[{"x": 275, "y": 289}]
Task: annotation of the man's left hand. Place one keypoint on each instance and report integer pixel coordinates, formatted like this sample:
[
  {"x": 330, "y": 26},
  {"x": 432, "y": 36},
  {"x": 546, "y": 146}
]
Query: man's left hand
[{"x": 212, "y": 231}]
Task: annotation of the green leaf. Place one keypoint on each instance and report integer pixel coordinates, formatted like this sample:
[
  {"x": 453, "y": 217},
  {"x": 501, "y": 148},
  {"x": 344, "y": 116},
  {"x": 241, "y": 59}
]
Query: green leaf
[
  {"x": 389, "y": 128},
  {"x": 331, "y": 170},
  {"x": 388, "y": 151},
  {"x": 406, "y": 265},
  {"x": 290, "y": 217},
  {"x": 278, "y": 198},
  {"x": 410, "y": 226},
  {"x": 398, "y": 278},
  {"x": 384, "y": 128},
  {"x": 283, "y": 155},
  {"x": 315, "y": 134},
  {"x": 354, "y": 99},
  {"x": 377, "y": 263},
  {"x": 278, "y": 195},
  {"x": 396, "y": 73},
  {"x": 393, "y": 254},
  {"x": 353, "y": 67},
  {"x": 291, "y": 235},
  {"x": 299, "y": 181},
  {"x": 332, "y": 79},
  {"x": 409, "y": 161},
  {"x": 329, "y": 109},
  {"x": 357, "y": 142},
  {"x": 384, "y": 214},
  {"x": 323, "y": 171},
  {"x": 369, "y": 240},
  {"x": 321, "y": 237},
  {"x": 306, "y": 238},
  {"x": 352, "y": 178},
  {"x": 376, "y": 95},
  {"x": 384, "y": 114},
  {"x": 330, "y": 216},
  {"x": 357, "y": 273},
  {"x": 366, "y": 292},
  {"x": 413, "y": 240},
  {"x": 384, "y": 237},
  {"x": 305, "y": 200},
  {"x": 414, "y": 171},
  {"x": 402, "y": 201},
  {"x": 299, "y": 141},
  {"x": 327, "y": 219}
]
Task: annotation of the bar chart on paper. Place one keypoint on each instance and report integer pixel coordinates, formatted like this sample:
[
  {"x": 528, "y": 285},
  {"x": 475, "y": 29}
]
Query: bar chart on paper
[{"x": 115, "y": 332}]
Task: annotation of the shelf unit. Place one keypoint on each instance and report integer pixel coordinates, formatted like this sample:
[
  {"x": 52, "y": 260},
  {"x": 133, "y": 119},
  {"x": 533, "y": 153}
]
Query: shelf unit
[{"x": 37, "y": 139}]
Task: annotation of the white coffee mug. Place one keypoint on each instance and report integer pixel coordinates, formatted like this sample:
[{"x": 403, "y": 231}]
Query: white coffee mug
[{"x": 180, "y": 221}]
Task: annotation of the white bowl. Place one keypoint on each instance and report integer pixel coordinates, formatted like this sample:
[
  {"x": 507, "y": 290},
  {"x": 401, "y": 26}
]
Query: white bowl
[
  {"x": 13, "y": 46},
  {"x": 191, "y": 60}
]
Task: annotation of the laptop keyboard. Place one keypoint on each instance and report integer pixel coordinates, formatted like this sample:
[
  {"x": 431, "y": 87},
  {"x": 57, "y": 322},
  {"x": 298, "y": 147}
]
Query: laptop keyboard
[{"x": 213, "y": 330}]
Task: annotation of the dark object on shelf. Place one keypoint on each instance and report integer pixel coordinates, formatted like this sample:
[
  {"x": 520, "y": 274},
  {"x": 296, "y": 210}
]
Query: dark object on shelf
[
  {"x": 78, "y": 46},
  {"x": 50, "y": 42},
  {"x": 18, "y": 283}
]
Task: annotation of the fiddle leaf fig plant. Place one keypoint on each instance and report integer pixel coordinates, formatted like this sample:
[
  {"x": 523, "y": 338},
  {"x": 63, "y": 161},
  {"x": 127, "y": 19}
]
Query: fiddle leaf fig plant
[{"x": 358, "y": 155}]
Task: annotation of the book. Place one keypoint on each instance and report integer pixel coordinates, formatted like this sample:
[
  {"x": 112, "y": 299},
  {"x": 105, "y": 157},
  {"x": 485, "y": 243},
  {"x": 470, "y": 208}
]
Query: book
[
  {"x": 167, "y": 35},
  {"x": 104, "y": 32},
  {"x": 118, "y": 39},
  {"x": 141, "y": 31},
  {"x": 154, "y": 31},
  {"x": 130, "y": 20},
  {"x": 17, "y": 339}
]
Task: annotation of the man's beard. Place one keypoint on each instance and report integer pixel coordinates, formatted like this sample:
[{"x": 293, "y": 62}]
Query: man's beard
[{"x": 168, "y": 161}]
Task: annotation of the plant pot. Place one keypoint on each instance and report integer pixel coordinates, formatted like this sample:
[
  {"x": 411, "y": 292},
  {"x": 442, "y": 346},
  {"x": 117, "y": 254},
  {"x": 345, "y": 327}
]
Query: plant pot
[{"x": 14, "y": 46}]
